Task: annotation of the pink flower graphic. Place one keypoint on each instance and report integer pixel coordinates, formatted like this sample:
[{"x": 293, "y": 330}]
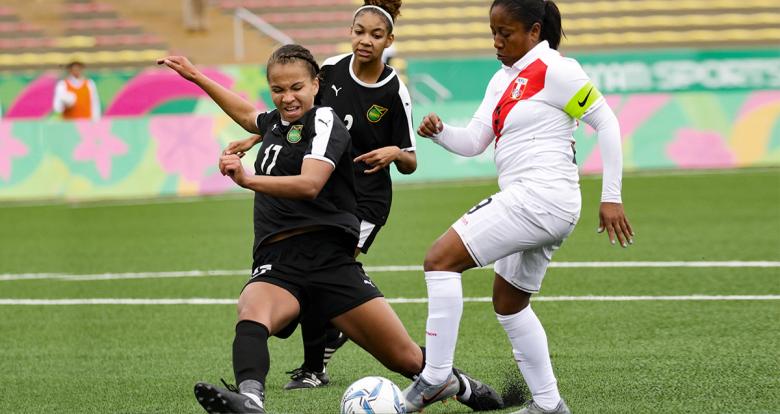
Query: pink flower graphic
[
  {"x": 699, "y": 149},
  {"x": 185, "y": 145},
  {"x": 98, "y": 144},
  {"x": 10, "y": 148}
]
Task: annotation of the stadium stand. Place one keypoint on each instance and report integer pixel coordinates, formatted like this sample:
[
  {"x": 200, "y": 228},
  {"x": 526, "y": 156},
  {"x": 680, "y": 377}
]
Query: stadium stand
[
  {"x": 89, "y": 31},
  {"x": 447, "y": 27}
]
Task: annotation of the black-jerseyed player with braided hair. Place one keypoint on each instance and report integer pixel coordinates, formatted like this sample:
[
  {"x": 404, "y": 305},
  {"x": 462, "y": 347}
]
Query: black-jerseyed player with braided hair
[{"x": 305, "y": 235}]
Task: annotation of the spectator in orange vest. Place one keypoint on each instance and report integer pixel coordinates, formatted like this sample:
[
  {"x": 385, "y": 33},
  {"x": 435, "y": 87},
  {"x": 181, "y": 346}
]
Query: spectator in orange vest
[{"x": 75, "y": 97}]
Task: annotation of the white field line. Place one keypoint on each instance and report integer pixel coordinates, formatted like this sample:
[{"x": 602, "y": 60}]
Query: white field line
[
  {"x": 208, "y": 301},
  {"x": 376, "y": 269}
]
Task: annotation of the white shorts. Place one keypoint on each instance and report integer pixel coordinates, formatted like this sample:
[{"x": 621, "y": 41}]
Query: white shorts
[
  {"x": 368, "y": 232},
  {"x": 516, "y": 232}
]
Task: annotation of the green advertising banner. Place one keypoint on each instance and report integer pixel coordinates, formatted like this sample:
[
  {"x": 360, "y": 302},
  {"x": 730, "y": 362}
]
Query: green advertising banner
[{"x": 640, "y": 72}]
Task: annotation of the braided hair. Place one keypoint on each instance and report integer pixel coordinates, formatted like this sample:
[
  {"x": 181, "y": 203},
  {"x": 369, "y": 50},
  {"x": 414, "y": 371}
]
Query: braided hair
[{"x": 291, "y": 53}]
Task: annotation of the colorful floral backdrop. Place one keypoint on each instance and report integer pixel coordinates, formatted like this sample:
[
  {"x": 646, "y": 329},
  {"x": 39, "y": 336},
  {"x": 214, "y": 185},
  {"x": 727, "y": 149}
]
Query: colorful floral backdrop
[{"x": 161, "y": 136}]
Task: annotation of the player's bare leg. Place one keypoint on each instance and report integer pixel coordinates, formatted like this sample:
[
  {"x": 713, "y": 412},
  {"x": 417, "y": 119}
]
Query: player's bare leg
[{"x": 263, "y": 309}]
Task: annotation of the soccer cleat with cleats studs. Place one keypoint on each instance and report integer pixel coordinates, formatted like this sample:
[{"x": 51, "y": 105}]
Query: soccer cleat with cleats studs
[
  {"x": 302, "y": 378},
  {"x": 420, "y": 394},
  {"x": 215, "y": 400},
  {"x": 481, "y": 398},
  {"x": 533, "y": 408}
]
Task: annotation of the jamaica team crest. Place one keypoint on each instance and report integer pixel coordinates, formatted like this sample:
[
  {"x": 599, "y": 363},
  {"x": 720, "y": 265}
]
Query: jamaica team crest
[
  {"x": 375, "y": 113},
  {"x": 294, "y": 134}
]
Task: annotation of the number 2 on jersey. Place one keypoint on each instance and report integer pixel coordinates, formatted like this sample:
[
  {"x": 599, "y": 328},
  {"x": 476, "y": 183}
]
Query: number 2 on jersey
[{"x": 266, "y": 168}]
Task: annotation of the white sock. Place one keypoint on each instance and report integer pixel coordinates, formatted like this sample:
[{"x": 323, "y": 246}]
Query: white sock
[
  {"x": 445, "y": 307},
  {"x": 529, "y": 345}
]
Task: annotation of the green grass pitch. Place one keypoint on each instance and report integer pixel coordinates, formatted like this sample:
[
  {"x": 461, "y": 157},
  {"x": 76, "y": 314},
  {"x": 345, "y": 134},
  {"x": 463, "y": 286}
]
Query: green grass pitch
[{"x": 632, "y": 356}]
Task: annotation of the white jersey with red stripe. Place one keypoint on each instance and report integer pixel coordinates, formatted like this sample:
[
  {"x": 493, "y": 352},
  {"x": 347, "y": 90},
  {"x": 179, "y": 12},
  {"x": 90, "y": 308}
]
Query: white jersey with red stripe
[{"x": 533, "y": 108}]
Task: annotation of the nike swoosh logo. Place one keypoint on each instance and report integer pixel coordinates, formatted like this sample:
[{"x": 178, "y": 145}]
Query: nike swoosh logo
[
  {"x": 426, "y": 401},
  {"x": 582, "y": 102}
]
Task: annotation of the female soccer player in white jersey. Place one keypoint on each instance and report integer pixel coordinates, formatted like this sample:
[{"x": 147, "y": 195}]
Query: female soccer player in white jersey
[
  {"x": 305, "y": 235},
  {"x": 529, "y": 112}
]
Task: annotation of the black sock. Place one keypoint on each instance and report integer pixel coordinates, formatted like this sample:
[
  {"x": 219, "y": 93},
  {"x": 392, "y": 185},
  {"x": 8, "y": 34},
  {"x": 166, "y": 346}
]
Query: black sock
[
  {"x": 250, "y": 352},
  {"x": 313, "y": 346}
]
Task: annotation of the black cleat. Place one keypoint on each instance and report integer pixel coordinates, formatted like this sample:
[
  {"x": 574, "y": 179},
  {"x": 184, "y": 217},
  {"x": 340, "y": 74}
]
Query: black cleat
[
  {"x": 482, "y": 398},
  {"x": 215, "y": 400},
  {"x": 302, "y": 378}
]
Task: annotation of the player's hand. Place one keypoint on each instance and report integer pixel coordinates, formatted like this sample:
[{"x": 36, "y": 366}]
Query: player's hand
[
  {"x": 430, "y": 126},
  {"x": 240, "y": 147},
  {"x": 182, "y": 66},
  {"x": 231, "y": 166},
  {"x": 613, "y": 219},
  {"x": 379, "y": 158}
]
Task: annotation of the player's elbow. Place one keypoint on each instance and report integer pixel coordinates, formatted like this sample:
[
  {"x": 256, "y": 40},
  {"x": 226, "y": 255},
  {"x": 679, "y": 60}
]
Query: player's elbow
[{"x": 309, "y": 190}]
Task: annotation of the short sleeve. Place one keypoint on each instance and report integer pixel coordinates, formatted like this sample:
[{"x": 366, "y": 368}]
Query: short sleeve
[
  {"x": 262, "y": 122},
  {"x": 493, "y": 93},
  {"x": 331, "y": 138},
  {"x": 569, "y": 88},
  {"x": 403, "y": 129}
]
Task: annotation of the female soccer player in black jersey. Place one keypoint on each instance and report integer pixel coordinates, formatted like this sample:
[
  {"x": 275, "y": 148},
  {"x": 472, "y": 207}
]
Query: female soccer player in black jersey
[
  {"x": 376, "y": 107},
  {"x": 305, "y": 235}
]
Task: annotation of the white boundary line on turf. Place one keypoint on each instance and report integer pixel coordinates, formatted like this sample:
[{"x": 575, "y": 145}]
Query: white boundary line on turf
[
  {"x": 376, "y": 269},
  {"x": 207, "y": 301}
]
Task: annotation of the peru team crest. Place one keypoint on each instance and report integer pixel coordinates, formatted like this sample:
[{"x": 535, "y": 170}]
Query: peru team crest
[
  {"x": 375, "y": 113},
  {"x": 294, "y": 135},
  {"x": 517, "y": 91}
]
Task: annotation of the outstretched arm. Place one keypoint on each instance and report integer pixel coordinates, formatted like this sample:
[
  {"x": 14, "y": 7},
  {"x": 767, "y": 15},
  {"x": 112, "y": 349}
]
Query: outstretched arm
[
  {"x": 612, "y": 218},
  {"x": 241, "y": 111},
  {"x": 405, "y": 161},
  {"x": 468, "y": 142}
]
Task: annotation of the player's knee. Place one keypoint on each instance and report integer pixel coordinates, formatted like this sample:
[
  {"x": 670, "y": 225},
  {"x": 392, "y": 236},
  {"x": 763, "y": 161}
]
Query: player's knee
[
  {"x": 510, "y": 304},
  {"x": 247, "y": 312},
  {"x": 437, "y": 259},
  {"x": 407, "y": 360}
]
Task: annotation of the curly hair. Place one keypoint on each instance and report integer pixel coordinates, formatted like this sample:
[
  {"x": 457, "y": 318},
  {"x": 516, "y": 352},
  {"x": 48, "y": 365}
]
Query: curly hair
[{"x": 392, "y": 7}]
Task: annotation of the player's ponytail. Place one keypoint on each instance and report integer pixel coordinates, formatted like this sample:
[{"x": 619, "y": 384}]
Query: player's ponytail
[
  {"x": 544, "y": 12},
  {"x": 552, "y": 31}
]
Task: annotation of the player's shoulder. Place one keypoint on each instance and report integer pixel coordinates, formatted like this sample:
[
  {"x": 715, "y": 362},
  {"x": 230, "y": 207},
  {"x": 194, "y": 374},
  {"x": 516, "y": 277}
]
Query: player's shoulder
[
  {"x": 562, "y": 68},
  {"x": 333, "y": 60},
  {"x": 265, "y": 119}
]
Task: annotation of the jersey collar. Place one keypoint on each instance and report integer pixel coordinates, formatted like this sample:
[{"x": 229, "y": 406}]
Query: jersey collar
[
  {"x": 543, "y": 48},
  {"x": 379, "y": 84}
]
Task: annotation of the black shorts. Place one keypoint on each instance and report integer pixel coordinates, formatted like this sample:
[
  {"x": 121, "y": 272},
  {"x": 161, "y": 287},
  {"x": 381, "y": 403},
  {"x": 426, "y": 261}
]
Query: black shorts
[
  {"x": 319, "y": 269},
  {"x": 368, "y": 232}
]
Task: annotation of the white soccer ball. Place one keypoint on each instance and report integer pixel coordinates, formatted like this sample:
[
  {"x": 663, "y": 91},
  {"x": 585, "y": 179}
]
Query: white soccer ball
[{"x": 373, "y": 395}]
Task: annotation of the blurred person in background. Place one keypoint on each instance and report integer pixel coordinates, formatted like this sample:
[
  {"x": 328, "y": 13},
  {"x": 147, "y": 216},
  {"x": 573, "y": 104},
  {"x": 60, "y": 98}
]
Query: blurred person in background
[
  {"x": 530, "y": 110},
  {"x": 75, "y": 96}
]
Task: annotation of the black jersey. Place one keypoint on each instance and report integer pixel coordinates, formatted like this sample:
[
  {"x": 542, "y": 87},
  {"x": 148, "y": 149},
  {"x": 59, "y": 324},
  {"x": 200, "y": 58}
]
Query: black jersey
[
  {"x": 377, "y": 115},
  {"x": 318, "y": 134}
]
